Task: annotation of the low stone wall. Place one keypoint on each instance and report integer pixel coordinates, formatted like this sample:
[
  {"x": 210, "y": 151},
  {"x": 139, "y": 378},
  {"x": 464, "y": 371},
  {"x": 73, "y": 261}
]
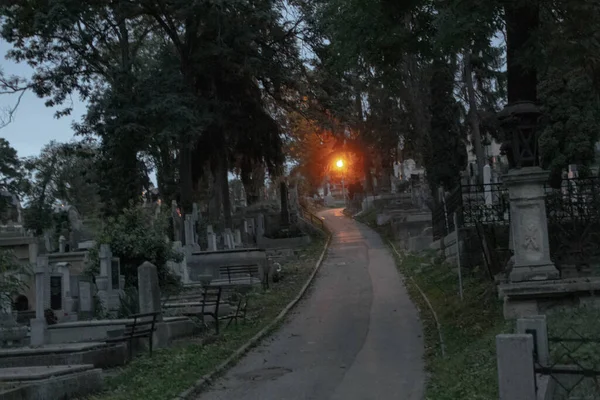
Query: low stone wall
[
  {"x": 69, "y": 386},
  {"x": 72, "y": 332},
  {"x": 208, "y": 263},
  {"x": 103, "y": 356},
  {"x": 471, "y": 253},
  {"x": 268, "y": 243}
]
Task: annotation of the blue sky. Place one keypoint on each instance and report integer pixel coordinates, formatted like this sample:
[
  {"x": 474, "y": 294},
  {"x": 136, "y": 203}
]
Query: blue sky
[{"x": 34, "y": 123}]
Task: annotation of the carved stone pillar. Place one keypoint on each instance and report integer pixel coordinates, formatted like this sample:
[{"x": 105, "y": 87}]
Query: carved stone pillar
[{"x": 529, "y": 226}]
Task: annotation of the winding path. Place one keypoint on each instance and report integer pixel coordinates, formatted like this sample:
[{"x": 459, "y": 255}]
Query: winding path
[{"x": 356, "y": 335}]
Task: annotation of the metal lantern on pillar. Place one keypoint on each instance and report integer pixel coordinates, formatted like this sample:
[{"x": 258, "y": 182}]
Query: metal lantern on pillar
[{"x": 520, "y": 121}]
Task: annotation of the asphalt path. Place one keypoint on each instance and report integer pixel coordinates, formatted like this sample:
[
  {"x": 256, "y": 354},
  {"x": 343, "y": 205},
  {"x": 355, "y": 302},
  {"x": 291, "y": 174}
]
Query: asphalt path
[{"x": 355, "y": 336}]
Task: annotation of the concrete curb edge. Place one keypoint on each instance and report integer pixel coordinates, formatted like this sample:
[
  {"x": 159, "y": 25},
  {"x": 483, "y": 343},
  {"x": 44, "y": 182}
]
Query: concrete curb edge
[
  {"x": 435, "y": 317},
  {"x": 207, "y": 379}
]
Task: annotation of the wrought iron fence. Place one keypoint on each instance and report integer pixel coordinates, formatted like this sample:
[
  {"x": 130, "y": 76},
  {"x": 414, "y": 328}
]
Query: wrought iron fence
[
  {"x": 312, "y": 218},
  {"x": 485, "y": 204},
  {"x": 473, "y": 204},
  {"x": 573, "y": 212},
  {"x": 573, "y": 365}
]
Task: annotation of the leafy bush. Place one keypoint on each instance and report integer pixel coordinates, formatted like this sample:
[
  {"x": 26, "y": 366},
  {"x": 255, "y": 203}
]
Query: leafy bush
[
  {"x": 129, "y": 303},
  {"x": 11, "y": 273},
  {"x": 137, "y": 236}
]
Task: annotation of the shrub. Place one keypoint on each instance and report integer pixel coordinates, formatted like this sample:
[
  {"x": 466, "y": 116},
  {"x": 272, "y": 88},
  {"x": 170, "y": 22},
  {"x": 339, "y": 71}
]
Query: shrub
[
  {"x": 11, "y": 274},
  {"x": 137, "y": 236}
]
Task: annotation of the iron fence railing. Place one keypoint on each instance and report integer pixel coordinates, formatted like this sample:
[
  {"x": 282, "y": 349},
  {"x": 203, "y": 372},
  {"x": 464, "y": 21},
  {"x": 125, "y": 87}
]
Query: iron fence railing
[
  {"x": 312, "y": 218},
  {"x": 473, "y": 204},
  {"x": 573, "y": 212},
  {"x": 573, "y": 365}
]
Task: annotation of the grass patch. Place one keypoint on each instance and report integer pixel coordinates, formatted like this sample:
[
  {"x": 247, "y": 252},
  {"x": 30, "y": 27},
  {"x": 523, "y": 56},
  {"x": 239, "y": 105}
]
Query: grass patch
[
  {"x": 469, "y": 327},
  {"x": 172, "y": 370}
]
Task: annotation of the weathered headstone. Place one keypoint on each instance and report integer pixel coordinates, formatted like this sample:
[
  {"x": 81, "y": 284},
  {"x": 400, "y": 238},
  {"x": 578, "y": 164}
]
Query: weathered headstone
[
  {"x": 260, "y": 226},
  {"x": 148, "y": 289},
  {"x": 237, "y": 238},
  {"x": 189, "y": 230},
  {"x": 516, "y": 376},
  {"x": 86, "y": 305},
  {"x": 42, "y": 289},
  {"x": 62, "y": 244},
  {"x": 228, "y": 239}
]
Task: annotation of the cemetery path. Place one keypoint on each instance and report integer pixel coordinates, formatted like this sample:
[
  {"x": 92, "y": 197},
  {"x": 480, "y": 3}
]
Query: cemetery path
[{"x": 355, "y": 336}]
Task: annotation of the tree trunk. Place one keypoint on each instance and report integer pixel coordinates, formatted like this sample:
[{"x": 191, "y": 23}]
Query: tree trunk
[
  {"x": 522, "y": 20},
  {"x": 474, "y": 117},
  {"x": 185, "y": 178},
  {"x": 225, "y": 197},
  {"x": 285, "y": 209}
]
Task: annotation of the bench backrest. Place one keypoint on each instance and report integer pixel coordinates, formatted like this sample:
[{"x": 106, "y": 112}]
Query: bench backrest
[
  {"x": 142, "y": 323},
  {"x": 211, "y": 296},
  {"x": 231, "y": 272}
]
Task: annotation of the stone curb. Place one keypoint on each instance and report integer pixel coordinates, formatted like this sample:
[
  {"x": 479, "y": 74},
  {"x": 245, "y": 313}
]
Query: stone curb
[
  {"x": 435, "y": 317},
  {"x": 197, "y": 387}
]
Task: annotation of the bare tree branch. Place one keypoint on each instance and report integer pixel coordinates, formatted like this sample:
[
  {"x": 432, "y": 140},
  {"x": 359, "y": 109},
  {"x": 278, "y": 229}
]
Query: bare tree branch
[{"x": 11, "y": 85}]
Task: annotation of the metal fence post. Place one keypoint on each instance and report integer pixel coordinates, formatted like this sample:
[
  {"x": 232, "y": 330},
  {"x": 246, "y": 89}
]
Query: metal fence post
[
  {"x": 460, "y": 283},
  {"x": 516, "y": 375},
  {"x": 538, "y": 328}
]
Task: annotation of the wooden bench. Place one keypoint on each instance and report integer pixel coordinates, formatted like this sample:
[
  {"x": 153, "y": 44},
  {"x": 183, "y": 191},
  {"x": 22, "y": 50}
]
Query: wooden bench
[
  {"x": 208, "y": 302},
  {"x": 234, "y": 273},
  {"x": 143, "y": 325}
]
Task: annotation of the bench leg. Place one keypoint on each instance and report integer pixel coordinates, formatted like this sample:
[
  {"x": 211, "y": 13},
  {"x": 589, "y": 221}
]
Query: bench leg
[{"x": 130, "y": 345}]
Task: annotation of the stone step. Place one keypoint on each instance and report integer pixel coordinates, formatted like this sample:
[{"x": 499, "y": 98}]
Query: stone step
[
  {"x": 98, "y": 354},
  {"x": 49, "y": 382}
]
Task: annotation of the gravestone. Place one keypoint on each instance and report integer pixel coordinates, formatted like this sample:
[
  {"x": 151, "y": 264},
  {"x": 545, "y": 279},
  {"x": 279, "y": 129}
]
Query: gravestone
[
  {"x": 260, "y": 226},
  {"x": 86, "y": 304},
  {"x": 228, "y": 239},
  {"x": 62, "y": 244},
  {"x": 148, "y": 289},
  {"x": 238, "y": 238},
  {"x": 42, "y": 288}
]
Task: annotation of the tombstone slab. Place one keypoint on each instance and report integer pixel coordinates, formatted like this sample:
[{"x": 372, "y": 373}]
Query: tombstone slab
[{"x": 148, "y": 289}]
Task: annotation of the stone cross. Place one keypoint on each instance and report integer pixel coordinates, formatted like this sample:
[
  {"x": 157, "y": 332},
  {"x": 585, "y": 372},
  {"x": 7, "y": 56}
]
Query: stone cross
[{"x": 149, "y": 290}]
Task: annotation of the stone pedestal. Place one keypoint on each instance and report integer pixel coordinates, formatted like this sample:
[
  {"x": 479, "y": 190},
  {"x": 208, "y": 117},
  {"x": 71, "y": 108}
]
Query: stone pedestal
[{"x": 529, "y": 226}]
